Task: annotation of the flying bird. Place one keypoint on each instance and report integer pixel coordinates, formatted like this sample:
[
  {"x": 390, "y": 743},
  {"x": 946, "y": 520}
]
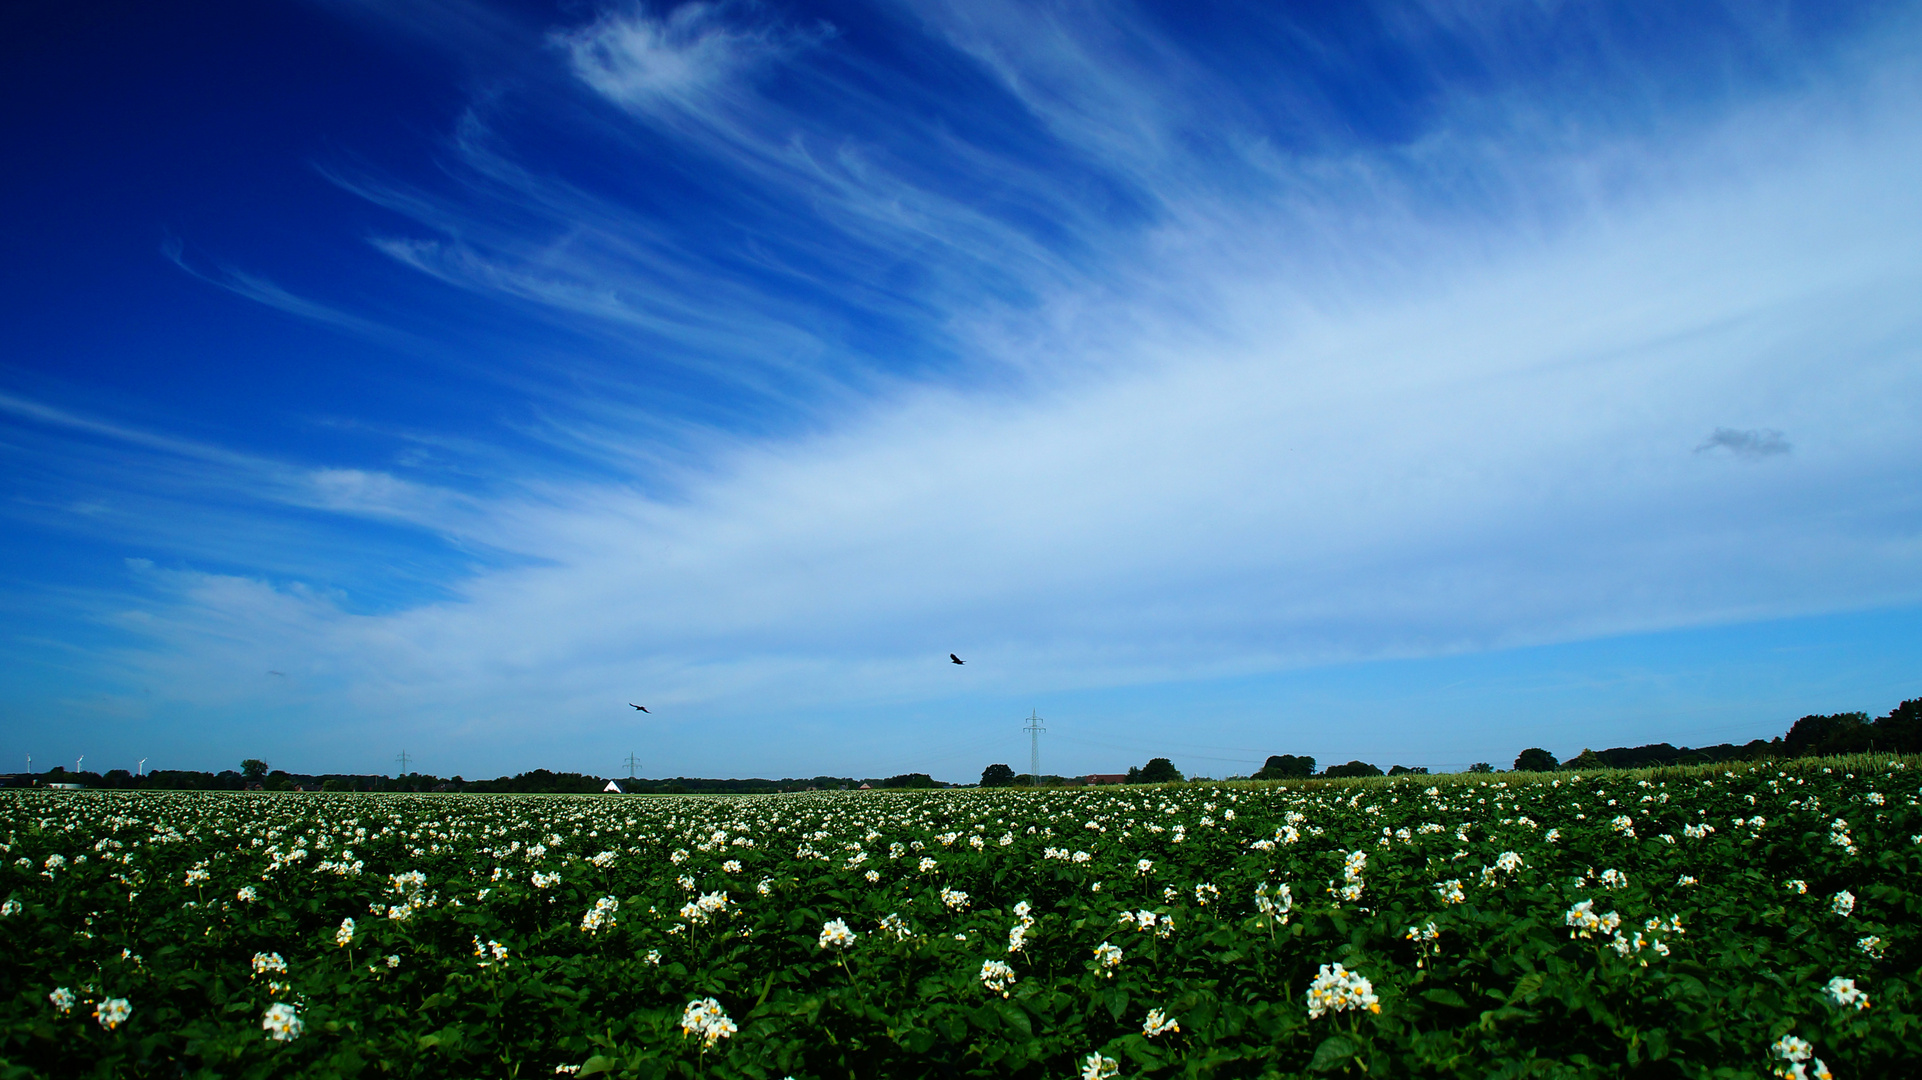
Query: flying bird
[
  {"x": 643, "y": 708},
  {"x": 956, "y": 659}
]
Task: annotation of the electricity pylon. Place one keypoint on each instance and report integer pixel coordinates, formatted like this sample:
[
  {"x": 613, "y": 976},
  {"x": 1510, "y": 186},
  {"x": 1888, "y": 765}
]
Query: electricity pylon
[{"x": 1034, "y": 730}]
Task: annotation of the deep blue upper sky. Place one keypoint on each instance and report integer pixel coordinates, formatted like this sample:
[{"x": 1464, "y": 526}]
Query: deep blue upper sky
[{"x": 447, "y": 374}]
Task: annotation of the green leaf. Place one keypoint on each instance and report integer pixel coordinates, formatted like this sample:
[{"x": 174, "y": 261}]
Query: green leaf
[
  {"x": 1444, "y": 996},
  {"x": 1333, "y": 1050},
  {"x": 599, "y": 1063}
]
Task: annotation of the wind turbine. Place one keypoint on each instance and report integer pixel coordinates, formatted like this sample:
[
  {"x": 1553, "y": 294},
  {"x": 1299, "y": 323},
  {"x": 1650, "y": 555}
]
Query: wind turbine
[
  {"x": 138, "y": 770},
  {"x": 77, "y": 761}
]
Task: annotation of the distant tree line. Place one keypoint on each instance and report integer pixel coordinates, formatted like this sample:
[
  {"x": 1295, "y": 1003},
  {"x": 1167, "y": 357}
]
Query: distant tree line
[
  {"x": 255, "y": 775},
  {"x": 1899, "y": 732}
]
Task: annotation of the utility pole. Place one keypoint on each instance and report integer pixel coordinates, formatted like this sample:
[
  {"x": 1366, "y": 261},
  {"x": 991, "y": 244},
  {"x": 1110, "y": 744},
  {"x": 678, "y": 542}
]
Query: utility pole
[
  {"x": 403, "y": 759},
  {"x": 1034, "y": 730},
  {"x": 632, "y": 762}
]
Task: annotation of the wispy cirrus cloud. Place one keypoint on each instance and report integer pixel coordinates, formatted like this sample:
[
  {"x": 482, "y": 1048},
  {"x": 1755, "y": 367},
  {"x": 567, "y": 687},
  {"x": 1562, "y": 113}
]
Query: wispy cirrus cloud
[
  {"x": 1117, "y": 375},
  {"x": 694, "y": 60}
]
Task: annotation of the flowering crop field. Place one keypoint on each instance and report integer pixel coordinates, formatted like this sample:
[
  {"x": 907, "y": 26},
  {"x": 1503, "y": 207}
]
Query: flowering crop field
[{"x": 1718, "y": 922}]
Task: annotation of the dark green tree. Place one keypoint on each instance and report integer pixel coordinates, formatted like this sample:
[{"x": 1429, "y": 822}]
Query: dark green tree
[
  {"x": 253, "y": 768},
  {"x": 1285, "y": 766},
  {"x": 997, "y": 776},
  {"x": 1481, "y": 767},
  {"x": 1160, "y": 771},
  {"x": 1353, "y": 768},
  {"x": 1535, "y": 759}
]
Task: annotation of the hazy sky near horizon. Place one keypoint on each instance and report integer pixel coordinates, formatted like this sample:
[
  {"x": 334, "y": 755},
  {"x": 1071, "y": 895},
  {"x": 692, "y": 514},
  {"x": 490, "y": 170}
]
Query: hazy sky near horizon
[{"x": 1412, "y": 382}]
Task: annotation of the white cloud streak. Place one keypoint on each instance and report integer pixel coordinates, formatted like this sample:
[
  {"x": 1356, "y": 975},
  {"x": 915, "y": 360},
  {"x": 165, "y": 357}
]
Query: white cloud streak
[{"x": 1233, "y": 457}]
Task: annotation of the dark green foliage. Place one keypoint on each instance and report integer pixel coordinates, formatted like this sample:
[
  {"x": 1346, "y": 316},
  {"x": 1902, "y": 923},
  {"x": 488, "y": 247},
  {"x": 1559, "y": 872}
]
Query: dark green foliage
[
  {"x": 1286, "y": 767},
  {"x": 1405, "y": 770},
  {"x": 1353, "y": 768},
  {"x": 997, "y": 776},
  {"x": 253, "y": 768},
  {"x": 1535, "y": 759},
  {"x": 1159, "y": 771},
  {"x": 1500, "y": 989},
  {"x": 908, "y": 780}
]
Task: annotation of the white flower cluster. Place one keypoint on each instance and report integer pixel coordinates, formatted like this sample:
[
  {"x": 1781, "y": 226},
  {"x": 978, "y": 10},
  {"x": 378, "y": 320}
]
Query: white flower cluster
[
  {"x": 1106, "y": 958},
  {"x": 1279, "y": 904},
  {"x": 1871, "y": 945},
  {"x": 1206, "y": 893},
  {"x": 545, "y": 881},
  {"x": 601, "y": 916},
  {"x": 282, "y": 1023},
  {"x": 1697, "y": 832},
  {"x": 484, "y": 950},
  {"x": 266, "y": 962},
  {"x": 1336, "y": 989},
  {"x": 1024, "y": 925},
  {"x": 1842, "y": 903},
  {"x": 112, "y": 1012},
  {"x": 835, "y": 934},
  {"x": 1163, "y": 926},
  {"x": 704, "y": 1017},
  {"x": 1648, "y": 937},
  {"x": 704, "y": 907},
  {"x": 1844, "y": 994},
  {"x": 996, "y": 976},
  {"x": 1794, "y": 1053},
  {"x": 1451, "y": 891},
  {"x": 1623, "y": 824},
  {"x": 1159, "y": 1023},
  {"x": 1096, "y": 1067},
  {"x": 344, "y": 936},
  {"x": 955, "y": 899},
  {"x": 895, "y": 926},
  {"x": 1351, "y": 871},
  {"x": 63, "y": 999},
  {"x": 1839, "y": 836},
  {"x": 1613, "y": 879},
  {"x": 1585, "y": 923}
]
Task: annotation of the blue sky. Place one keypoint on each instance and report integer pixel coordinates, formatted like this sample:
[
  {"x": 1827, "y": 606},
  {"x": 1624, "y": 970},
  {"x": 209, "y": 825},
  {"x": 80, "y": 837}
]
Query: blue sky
[{"x": 1412, "y": 382}]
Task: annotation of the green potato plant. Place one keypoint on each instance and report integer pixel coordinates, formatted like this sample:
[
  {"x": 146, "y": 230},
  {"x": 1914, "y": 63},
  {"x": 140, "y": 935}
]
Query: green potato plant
[{"x": 1708, "y": 922}]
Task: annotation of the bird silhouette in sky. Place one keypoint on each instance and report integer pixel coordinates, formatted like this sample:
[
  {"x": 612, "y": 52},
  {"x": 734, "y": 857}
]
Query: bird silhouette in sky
[
  {"x": 956, "y": 659},
  {"x": 643, "y": 708}
]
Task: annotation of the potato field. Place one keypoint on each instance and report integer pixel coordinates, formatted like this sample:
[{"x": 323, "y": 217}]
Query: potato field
[{"x": 1726, "y": 922}]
